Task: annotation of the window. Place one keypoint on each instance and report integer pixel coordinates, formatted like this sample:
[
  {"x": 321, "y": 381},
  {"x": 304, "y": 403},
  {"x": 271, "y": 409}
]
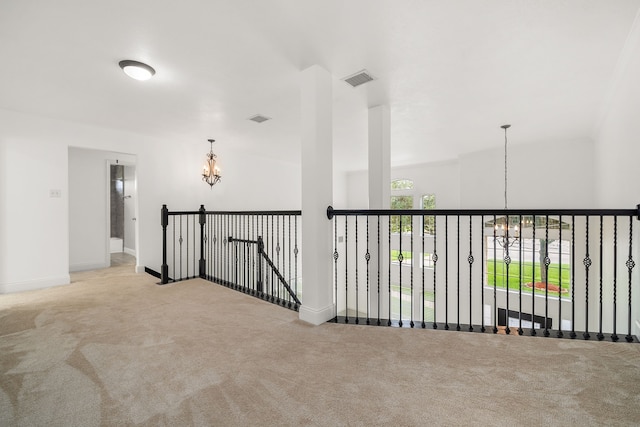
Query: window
[
  {"x": 527, "y": 256},
  {"x": 429, "y": 202},
  {"x": 402, "y": 184},
  {"x": 396, "y": 222}
]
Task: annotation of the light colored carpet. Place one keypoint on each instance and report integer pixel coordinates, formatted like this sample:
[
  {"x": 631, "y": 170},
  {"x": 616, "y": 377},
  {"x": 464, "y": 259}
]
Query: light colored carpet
[{"x": 113, "y": 348}]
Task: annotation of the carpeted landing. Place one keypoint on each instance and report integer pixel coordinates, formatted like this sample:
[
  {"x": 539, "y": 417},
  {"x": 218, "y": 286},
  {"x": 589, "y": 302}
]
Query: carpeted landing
[{"x": 113, "y": 348}]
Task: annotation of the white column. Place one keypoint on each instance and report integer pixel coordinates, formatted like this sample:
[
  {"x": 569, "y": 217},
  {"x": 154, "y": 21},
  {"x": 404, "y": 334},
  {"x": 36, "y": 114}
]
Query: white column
[
  {"x": 379, "y": 198},
  {"x": 317, "y": 195}
]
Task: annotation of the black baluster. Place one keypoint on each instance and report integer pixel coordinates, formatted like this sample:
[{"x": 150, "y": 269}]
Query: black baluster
[
  {"x": 458, "y": 274},
  {"x": 400, "y": 259},
  {"x": 470, "y": 260},
  {"x": 495, "y": 276},
  {"x": 367, "y": 257},
  {"x": 573, "y": 275},
  {"x": 357, "y": 262},
  {"x": 435, "y": 265},
  {"x": 335, "y": 261},
  {"x": 173, "y": 240},
  {"x": 533, "y": 280},
  {"x": 423, "y": 268},
  {"x": 600, "y": 335},
  {"x": 587, "y": 263},
  {"x": 180, "y": 241},
  {"x": 412, "y": 265},
  {"x": 520, "y": 270},
  {"x": 630, "y": 264},
  {"x": 203, "y": 219},
  {"x": 389, "y": 263},
  {"x": 614, "y": 336},
  {"x": 560, "y": 334},
  {"x": 295, "y": 256},
  {"x": 346, "y": 270},
  {"x": 446, "y": 272},
  {"x": 482, "y": 277},
  {"x": 547, "y": 262},
  {"x": 507, "y": 262},
  {"x": 378, "y": 271}
]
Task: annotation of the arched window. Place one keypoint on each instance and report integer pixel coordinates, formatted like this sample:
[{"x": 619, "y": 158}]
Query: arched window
[{"x": 402, "y": 184}]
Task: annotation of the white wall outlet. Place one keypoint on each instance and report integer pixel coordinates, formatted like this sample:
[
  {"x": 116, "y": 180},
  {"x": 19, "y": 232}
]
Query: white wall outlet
[{"x": 55, "y": 193}]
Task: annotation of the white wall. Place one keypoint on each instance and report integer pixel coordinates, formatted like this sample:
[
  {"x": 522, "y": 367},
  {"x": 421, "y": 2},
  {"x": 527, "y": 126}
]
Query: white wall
[
  {"x": 617, "y": 148},
  {"x": 549, "y": 174},
  {"x": 35, "y": 227}
]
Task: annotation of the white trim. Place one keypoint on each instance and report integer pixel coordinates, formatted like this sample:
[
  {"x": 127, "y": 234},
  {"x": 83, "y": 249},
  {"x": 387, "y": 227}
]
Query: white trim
[
  {"x": 87, "y": 266},
  {"x": 32, "y": 285},
  {"x": 130, "y": 251},
  {"x": 317, "y": 317},
  {"x": 140, "y": 268}
]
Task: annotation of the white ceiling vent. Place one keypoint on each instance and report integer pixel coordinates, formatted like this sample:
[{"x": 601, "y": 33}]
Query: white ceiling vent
[
  {"x": 259, "y": 118},
  {"x": 359, "y": 78}
]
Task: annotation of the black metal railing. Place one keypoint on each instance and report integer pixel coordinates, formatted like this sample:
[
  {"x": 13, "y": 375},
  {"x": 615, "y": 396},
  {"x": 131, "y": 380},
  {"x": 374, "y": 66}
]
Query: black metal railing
[
  {"x": 256, "y": 252},
  {"x": 562, "y": 273}
]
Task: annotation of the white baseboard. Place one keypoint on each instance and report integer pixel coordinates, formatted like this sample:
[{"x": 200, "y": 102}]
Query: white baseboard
[
  {"x": 87, "y": 266},
  {"x": 139, "y": 268},
  {"x": 32, "y": 285},
  {"x": 317, "y": 317},
  {"x": 130, "y": 251}
]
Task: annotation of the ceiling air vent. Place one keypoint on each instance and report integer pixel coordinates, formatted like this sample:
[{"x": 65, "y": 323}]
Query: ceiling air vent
[
  {"x": 258, "y": 118},
  {"x": 359, "y": 78}
]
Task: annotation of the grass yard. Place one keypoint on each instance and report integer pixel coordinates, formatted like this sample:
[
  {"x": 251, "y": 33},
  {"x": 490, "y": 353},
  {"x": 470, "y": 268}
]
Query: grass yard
[{"x": 559, "y": 274}]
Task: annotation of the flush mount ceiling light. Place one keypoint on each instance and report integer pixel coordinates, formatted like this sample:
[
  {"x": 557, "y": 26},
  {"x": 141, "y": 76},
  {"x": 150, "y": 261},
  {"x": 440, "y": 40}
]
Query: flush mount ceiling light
[{"x": 136, "y": 70}]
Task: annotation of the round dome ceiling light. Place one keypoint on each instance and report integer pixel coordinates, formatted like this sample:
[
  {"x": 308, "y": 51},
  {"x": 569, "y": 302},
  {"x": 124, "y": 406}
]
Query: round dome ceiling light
[{"x": 136, "y": 70}]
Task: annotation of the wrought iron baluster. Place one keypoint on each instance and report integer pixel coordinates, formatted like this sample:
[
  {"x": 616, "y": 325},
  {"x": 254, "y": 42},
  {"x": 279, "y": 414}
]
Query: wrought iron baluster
[
  {"x": 600, "y": 335},
  {"x": 446, "y": 272},
  {"x": 470, "y": 261},
  {"x": 367, "y": 257},
  {"x": 507, "y": 263},
  {"x": 614, "y": 336},
  {"x": 630, "y": 264},
  {"x": 520, "y": 270},
  {"x": 400, "y": 259},
  {"x": 411, "y": 277},
  {"x": 346, "y": 269},
  {"x": 335, "y": 261},
  {"x": 547, "y": 262},
  {"x": 495, "y": 276},
  {"x": 482, "y": 276},
  {"x": 389, "y": 268},
  {"x": 533, "y": 280},
  {"x": 357, "y": 262},
  {"x": 378, "y": 272},
  {"x": 423, "y": 268},
  {"x": 587, "y": 263},
  {"x": 435, "y": 265},
  {"x": 560, "y": 333},
  {"x": 573, "y": 275},
  {"x": 458, "y": 273}
]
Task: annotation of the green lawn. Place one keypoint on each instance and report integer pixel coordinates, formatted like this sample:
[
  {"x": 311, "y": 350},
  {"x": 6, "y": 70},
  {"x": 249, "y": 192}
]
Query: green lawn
[{"x": 556, "y": 272}]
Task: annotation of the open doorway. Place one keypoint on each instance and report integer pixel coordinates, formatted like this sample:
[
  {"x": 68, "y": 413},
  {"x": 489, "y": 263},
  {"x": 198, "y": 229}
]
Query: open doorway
[{"x": 122, "y": 218}]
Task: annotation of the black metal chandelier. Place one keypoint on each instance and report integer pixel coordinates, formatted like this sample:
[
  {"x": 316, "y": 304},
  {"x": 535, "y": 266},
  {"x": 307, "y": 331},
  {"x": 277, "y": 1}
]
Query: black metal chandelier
[
  {"x": 210, "y": 172},
  {"x": 507, "y": 233}
]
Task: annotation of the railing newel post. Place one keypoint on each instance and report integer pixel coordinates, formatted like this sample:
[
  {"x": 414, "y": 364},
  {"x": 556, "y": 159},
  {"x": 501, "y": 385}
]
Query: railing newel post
[
  {"x": 202, "y": 262},
  {"x": 164, "y": 222}
]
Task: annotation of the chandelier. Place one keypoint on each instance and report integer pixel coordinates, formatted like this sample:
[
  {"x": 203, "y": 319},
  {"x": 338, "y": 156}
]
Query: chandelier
[
  {"x": 507, "y": 234},
  {"x": 210, "y": 172}
]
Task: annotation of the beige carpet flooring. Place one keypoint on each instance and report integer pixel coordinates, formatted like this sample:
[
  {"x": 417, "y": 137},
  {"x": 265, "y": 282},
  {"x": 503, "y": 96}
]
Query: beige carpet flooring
[{"x": 113, "y": 348}]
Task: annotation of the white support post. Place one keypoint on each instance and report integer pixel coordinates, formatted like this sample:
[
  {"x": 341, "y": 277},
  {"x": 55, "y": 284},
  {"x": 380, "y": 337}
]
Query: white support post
[
  {"x": 379, "y": 198},
  {"x": 317, "y": 195}
]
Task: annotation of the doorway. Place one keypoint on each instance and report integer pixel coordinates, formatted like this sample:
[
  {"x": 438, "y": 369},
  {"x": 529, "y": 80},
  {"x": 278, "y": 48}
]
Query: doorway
[{"x": 122, "y": 187}]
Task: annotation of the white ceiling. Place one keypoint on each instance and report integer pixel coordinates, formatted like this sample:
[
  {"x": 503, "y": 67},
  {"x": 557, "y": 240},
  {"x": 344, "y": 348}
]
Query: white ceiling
[{"x": 451, "y": 71}]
